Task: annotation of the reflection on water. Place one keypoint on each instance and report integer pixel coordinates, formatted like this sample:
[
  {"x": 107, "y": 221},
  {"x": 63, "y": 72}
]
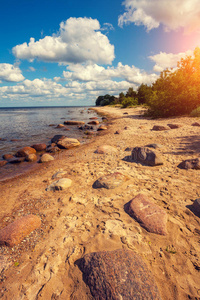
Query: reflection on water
[{"x": 31, "y": 125}]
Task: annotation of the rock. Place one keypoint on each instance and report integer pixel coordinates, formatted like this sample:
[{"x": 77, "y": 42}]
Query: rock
[
  {"x": 52, "y": 148},
  {"x": 104, "y": 118},
  {"x": 126, "y": 128},
  {"x": 187, "y": 164},
  {"x": 68, "y": 143},
  {"x": 17, "y": 160},
  {"x": 59, "y": 185},
  {"x": 51, "y": 125},
  {"x": 25, "y": 151},
  {"x": 129, "y": 148},
  {"x": 118, "y": 274},
  {"x": 39, "y": 147},
  {"x": 94, "y": 122},
  {"x": 196, "y": 205},
  {"x": 15, "y": 232},
  {"x": 74, "y": 122},
  {"x": 125, "y": 113},
  {"x": 106, "y": 149},
  {"x": 89, "y": 132},
  {"x": 3, "y": 163},
  {"x": 60, "y": 126},
  {"x": 8, "y": 156},
  {"x": 46, "y": 158},
  {"x": 160, "y": 127},
  {"x": 110, "y": 181},
  {"x": 85, "y": 127},
  {"x": 118, "y": 132},
  {"x": 174, "y": 126},
  {"x": 57, "y": 138},
  {"x": 102, "y": 127},
  {"x": 145, "y": 156},
  {"x": 196, "y": 124},
  {"x": 149, "y": 215},
  {"x": 93, "y": 118},
  {"x": 31, "y": 157}
]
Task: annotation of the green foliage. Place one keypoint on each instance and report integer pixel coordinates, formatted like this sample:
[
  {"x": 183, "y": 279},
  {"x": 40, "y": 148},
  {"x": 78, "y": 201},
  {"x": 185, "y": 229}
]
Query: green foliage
[
  {"x": 129, "y": 102},
  {"x": 143, "y": 93},
  {"x": 105, "y": 100},
  {"x": 195, "y": 112}
]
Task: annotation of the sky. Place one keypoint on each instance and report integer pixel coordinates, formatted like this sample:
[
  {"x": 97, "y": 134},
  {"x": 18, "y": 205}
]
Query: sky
[{"x": 69, "y": 52}]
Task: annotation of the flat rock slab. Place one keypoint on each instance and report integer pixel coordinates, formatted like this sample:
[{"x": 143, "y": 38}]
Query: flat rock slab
[
  {"x": 116, "y": 275},
  {"x": 23, "y": 152},
  {"x": 146, "y": 156},
  {"x": 190, "y": 164},
  {"x": 106, "y": 149},
  {"x": 110, "y": 181},
  {"x": 68, "y": 143},
  {"x": 160, "y": 128},
  {"x": 15, "y": 232},
  {"x": 150, "y": 216},
  {"x": 74, "y": 122},
  {"x": 59, "y": 185},
  {"x": 46, "y": 158}
]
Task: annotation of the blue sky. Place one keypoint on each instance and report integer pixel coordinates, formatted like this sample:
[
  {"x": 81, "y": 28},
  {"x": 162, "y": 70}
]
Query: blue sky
[{"x": 68, "y": 52}]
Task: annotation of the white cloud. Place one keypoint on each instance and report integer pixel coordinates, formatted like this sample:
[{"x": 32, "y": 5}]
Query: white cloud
[
  {"x": 78, "y": 40},
  {"x": 173, "y": 14},
  {"x": 94, "y": 72},
  {"x": 165, "y": 60},
  {"x": 10, "y": 73}
]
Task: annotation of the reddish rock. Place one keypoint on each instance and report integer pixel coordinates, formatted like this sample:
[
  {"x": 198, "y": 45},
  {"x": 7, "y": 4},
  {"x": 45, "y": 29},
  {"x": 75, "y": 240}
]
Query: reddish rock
[
  {"x": 106, "y": 149},
  {"x": 17, "y": 160},
  {"x": 187, "y": 164},
  {"x": 160, "y": 127},
  {"x": 31, "y": 157},
  {"x": 110, "y": 181},
  {"x": 149, "y": 215},
  {"x": 39, "y": 147},
  {"x": 93, "y": 118},
  {"x": 102, "y": 127},
  {"x": 60, "y": 126},
  {"x": 174, "y": 126},
  {"x": 51, "y": 125},
  {"x": 3, "y": 163},
  {"x": 146, "y": 156},
  {"x": 74, "y": 122},
  {"x": 95, "y": 122},
  {"x": 196, "y": 124},
  {"x": 8, "y": 156},
  {"x": 25, "y": 151},
  {"x": 15, "y": 232},
  {"x": 118, "y": 274}
]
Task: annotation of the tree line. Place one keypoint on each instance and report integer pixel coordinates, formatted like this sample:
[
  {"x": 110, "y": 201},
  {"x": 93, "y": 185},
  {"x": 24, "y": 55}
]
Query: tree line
[{"x": 176, "y": 92}]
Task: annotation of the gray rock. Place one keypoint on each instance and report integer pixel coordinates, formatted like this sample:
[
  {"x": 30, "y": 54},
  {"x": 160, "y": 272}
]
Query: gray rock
[
  {"x": 68, "y": 143},
  {"x": 46, "y": 158},
  {"x": 190, "y": 164},
  {"x": 146, "y": 156},
  {"x": 149, "y": 215},
  {"x": 116, "y": 275},
  {"x": 59, "y": 185}
]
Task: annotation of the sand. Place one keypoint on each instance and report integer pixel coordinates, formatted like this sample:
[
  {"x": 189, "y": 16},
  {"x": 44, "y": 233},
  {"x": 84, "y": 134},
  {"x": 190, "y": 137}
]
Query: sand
[{"x": 81, "y": 219}]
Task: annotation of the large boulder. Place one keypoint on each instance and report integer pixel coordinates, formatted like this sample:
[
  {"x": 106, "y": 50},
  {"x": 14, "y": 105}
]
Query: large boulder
[
  {"x": 146, "y": 156},
  {"x": 110, "y": 181},
  {"x": 23, "y": 152},
  {"x": 68, "y": 143},
  {"x": 74, "y": 122},
  {"x": 187, "y": 164},
  {"x": 15, "y": 232},
  {"x": 149, "y": 215},
  {"x": 118, "y": 274}
]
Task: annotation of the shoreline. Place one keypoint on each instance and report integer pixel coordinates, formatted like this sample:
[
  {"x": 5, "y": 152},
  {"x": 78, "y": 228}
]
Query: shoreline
[{"x": 82, "y": 219}]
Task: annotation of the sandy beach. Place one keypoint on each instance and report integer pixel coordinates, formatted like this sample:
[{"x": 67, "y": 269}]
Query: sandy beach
[{"x": 82, "y": 219}]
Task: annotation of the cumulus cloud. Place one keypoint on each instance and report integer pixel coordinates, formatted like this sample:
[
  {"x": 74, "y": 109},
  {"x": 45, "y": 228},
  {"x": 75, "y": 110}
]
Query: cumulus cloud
[
  {"x": 94, "y": 72},
  {"x": 78, "y": 40},
  {"x": 165, "y": 60},
  {"x": 10, "y": 73},
  {"x": 173, "y": 14}
]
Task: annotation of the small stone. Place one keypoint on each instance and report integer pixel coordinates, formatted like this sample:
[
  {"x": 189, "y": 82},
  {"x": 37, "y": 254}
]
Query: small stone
[
  {"x": 15, "y": 232},
  {"x": 174, "y": 126},
  {"x": 190, "y": 164},
  {"x": 146, "y": 156},
  {"x": 94, "y": 122},
  {"x": 31, "y": 157},
  {"x": 68, "y": 143},
  {"x": 118, "y": 131},
  {"x": 8, "y": 156},
  {"x": 110, "y": 181},
  {"x": 149, "y": 215},
  {"x": 118, "y": 274},
  {"x": 57, "y": 138},
  {"x": 106, "y": 149},
  {"x": 46, "y": 158},
  {"x": 25, "y": 151},
  {"x": 59, "y": 185},
  {"x": 196, "y": 124},
  {"x": 102, "y": 127},
  {"x": 160, "y": 128},
  {"x": 60, "y": 126},
  {"x": 93, "y": 118},
  {"x": 39, "y": 147},
  {"x": 74, "y": 122}
]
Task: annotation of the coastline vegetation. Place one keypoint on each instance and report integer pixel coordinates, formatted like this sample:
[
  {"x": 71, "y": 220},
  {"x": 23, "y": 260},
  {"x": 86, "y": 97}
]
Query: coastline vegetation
[{"x": 176, "y": 92}]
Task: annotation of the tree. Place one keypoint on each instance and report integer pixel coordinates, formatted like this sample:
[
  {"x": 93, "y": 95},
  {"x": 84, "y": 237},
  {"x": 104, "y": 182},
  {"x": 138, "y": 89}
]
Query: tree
[{"x": 143, "y": 93}]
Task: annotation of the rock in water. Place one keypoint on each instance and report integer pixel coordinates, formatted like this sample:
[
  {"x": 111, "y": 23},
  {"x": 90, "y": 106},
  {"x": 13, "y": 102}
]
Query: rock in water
[
  {"x": 39, "y": 147},
  {"x": 57, "y": 138},
  {"x": 68, "y": 143},
  {"x": 15, "y": 232},
  {"x": 59, "y": 185},
  {"x": 116, "y": 275},
  {"x": 110, "y": 181},
  {"x": 146, "y": 156},
  {"x": 25, "y": 151},
  {"x": 150, "y": 216},
  {"x": 190, "y": 164},
  {"x": 74, "y": 122}
]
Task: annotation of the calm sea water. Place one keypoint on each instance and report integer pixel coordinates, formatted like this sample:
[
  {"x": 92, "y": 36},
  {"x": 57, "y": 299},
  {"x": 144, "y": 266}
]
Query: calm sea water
[{"x": 31, "y": 125}]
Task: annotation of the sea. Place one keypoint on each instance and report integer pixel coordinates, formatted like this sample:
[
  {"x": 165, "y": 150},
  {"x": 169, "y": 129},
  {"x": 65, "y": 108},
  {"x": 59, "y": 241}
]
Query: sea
[{"x": 25, "y": 126}]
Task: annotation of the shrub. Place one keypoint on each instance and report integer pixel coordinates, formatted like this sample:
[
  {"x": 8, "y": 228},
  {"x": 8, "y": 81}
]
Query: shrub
[
  {"x": 129, "y": 102},
  {"x": 195, "y": 112}
]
